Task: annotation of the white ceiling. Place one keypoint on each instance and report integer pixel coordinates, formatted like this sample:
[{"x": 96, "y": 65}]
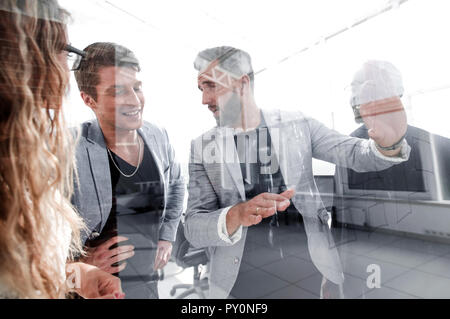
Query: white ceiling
[
  {"x": 273, "y": 29},
  {"x": 167, "y": 35}
]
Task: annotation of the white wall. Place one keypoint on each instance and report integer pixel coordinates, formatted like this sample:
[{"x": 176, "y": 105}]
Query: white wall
[{"x": 166, "y": 37}]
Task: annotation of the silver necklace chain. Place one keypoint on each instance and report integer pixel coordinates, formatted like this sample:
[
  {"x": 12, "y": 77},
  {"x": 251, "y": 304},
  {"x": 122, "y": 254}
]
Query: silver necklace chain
[{"x": 137, "y": 167}]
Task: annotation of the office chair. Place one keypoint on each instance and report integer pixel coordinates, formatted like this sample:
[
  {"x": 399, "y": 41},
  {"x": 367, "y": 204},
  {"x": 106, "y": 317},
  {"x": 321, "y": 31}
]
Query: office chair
[{"x": 186, "y": 256}]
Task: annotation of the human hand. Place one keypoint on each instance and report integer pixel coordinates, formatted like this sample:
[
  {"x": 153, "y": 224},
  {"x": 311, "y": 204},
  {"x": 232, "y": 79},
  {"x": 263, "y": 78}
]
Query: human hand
[
  {"x": 163, "y": 252},
  {"x": 253, "y": 211},
  {"x": 385, "y": 120},
  {"x": 103, "y": 257},
  {"x": 94, "y": 283}
]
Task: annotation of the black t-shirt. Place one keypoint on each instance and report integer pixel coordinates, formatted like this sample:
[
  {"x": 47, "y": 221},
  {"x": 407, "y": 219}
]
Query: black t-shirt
[
  {"x": 260, "y": 173},
  {"x": 137, "y": 205},
  {"x": 259, "y": 164},
  {"x": 405, "y": 177}
]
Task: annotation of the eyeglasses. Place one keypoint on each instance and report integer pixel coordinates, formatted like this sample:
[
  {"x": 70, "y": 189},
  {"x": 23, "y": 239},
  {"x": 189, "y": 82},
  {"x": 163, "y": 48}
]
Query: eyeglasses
[
  {"x": 356, "y": 112},
  {"x": 74, "y": 56},
  {"x": 356, "y": 109}
]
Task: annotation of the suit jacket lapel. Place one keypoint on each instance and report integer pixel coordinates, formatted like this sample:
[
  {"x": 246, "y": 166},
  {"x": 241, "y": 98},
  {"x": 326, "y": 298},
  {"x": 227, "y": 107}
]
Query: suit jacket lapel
[
  {"x": 150, "y": 140},
  {"x": 274, "y": 124},
  {"x": 227, "y": 152},
  {"x": 99, "y": 165},
  {"x": 230, "y": 158}
]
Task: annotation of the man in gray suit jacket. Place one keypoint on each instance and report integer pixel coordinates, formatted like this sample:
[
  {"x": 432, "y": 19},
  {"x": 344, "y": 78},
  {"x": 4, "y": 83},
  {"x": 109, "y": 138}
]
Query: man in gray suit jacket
[
  {"x": 129, "y": 187},
  {"x": 256, "y": 162}
]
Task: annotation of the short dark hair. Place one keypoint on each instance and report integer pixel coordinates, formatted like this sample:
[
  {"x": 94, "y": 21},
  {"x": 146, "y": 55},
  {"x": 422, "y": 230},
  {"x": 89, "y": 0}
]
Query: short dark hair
[
  {"x": 99, "y": 55},
  {"x": 235, "y": 61}
]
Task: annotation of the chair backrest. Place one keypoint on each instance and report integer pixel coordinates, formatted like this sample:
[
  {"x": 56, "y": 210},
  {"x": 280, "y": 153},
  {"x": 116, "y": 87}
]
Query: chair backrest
[
  {"x": 182, "y": 252},
  {"x": 180, "y": 246}
]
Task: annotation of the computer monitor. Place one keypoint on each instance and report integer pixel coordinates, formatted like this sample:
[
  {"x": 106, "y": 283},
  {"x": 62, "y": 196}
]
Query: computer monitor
[
  {"x": 423, "y": 177},
  {"x": 390, "y": 198}
]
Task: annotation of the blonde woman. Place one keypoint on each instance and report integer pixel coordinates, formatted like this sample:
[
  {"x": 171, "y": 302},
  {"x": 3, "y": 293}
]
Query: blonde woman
[{"x": 39, "y": 229}]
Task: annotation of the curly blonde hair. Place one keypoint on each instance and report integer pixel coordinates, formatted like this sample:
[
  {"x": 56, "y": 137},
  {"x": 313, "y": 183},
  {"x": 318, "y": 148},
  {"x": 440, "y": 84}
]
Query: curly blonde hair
[{"x": 36, "y": 150}]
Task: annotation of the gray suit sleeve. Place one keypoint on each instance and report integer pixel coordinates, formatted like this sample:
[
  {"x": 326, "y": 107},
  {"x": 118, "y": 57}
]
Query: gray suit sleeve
[
  {"x": 175, "y": 196},
  {"x": 346, "y": 151},
  {"x": 203, "y": 210}
]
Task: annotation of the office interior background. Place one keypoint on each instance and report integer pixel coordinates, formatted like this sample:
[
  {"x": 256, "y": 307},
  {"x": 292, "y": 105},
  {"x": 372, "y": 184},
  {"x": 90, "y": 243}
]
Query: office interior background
[{"x": 304, "y": 55}]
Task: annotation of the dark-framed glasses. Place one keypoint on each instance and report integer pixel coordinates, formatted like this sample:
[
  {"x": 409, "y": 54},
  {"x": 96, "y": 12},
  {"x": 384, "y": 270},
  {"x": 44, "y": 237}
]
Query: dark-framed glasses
[
  {"x": 356, "y": 112},
  {"x": 74, "y": 57},
  {"x": 356, "y": 109}
]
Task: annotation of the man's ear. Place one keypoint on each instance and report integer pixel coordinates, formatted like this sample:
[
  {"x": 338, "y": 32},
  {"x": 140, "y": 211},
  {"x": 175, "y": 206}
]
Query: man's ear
[
  {"x": 88, "y": 100},
  {"x": 245, "y": 83}
]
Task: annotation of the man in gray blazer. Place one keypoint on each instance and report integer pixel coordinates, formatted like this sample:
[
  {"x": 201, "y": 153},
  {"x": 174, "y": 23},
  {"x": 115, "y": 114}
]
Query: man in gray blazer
[
  {"x": 256, "y": 162},
  {"x": 129, "y": 187}
]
